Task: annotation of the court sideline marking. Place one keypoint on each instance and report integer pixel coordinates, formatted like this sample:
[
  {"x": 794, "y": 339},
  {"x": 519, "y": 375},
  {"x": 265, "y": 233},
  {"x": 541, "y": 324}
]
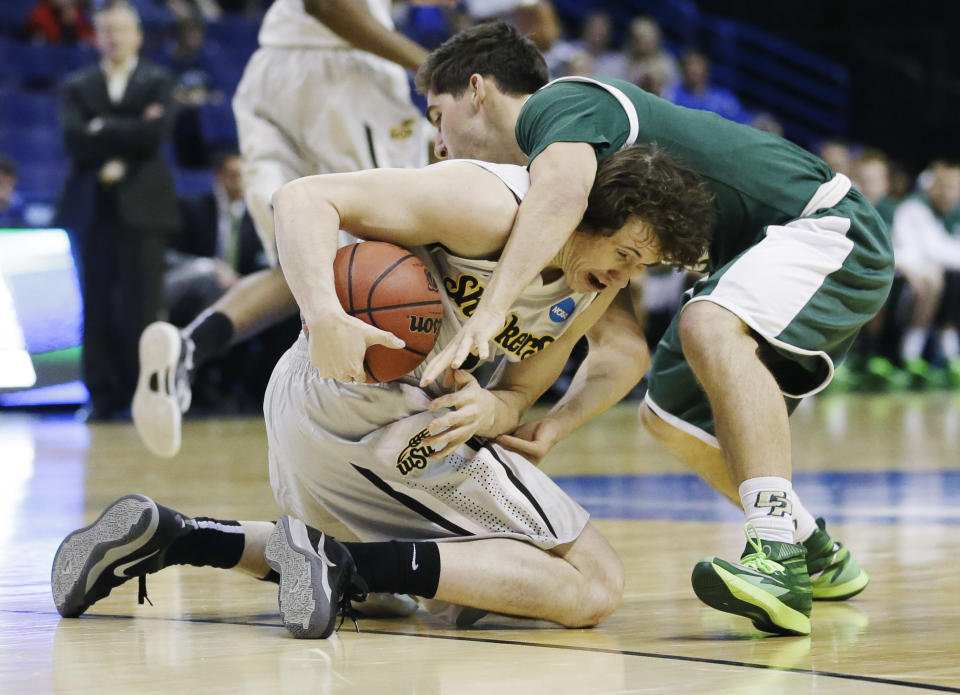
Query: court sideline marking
[{"x": 519, "y": 643}]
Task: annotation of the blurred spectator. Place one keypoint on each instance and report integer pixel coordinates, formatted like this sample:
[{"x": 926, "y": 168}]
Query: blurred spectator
[
  {"x": 59, "y": 21},
  {"x": 924, "y": 250},
  {"x": 647, "y": 64},
  {"x": 866, "y": 368},
  {"x": 12, "y": 208},
  {"x": 870, "y": 173},
  {"x": 901, "y": 182},
  {"x": 695, "y": 91},
  {"x": 216, "y": 245},
  {"x": 559, "y": 55},
  {"x": 186, "y": 50},
  {"x": 118, "y": 201},
  {"x": 539, "y": 21},
  {"x": 581, "y": 63},
  {"x": 836, "y": 154},
  {"x": 767, "y": 122},
  {"x": 194, "y": 88},
  {"x": 595, "y": 39},
  {"x": 207, "y": 10}
]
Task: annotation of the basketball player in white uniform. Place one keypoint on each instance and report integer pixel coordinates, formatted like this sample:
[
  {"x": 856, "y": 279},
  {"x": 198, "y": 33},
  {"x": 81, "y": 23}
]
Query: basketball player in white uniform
[
  {"x": 479, "y": 525},
  {"x": 327, "y": 91}
]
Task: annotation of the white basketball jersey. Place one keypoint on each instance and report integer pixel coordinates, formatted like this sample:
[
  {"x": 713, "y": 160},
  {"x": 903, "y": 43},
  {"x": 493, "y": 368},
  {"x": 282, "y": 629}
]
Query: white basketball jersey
[
  {"x": 541, "y": 313},
  {"x": 287, "y": 25}
]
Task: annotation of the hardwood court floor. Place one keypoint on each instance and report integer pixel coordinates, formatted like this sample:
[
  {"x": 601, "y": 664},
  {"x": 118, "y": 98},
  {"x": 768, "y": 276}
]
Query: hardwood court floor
[{"x": 885, "y": 471}]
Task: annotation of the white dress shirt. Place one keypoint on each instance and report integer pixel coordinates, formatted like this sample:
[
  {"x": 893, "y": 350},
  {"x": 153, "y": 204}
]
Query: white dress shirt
[{"x": 118, "y": 77}]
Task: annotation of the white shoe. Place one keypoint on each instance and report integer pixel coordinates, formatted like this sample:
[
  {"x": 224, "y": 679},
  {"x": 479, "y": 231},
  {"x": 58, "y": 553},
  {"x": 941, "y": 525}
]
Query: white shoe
[
  {"x": 163, "y": 387},
  {"x": 452, "y": 613},
  {"x": 379, "y": 605}
]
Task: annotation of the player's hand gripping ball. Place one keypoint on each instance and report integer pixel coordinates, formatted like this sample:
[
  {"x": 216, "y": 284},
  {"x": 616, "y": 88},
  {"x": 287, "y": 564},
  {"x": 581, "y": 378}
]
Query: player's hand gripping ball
[{"x": 388, "y": 287}]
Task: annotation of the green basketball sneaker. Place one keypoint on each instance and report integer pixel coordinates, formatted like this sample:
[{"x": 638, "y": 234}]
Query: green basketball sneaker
[
  {"x": 769, "y": 585},
  {"x": 834, "y": 574}
]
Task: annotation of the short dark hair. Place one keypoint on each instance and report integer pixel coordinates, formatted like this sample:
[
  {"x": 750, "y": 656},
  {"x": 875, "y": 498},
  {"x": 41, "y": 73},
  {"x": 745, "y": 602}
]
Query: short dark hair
[
  {"x": 8, "y": 166},
  {"x": 220, "y": 158},
  {"x": 644, "y": 181},
  {"x": 491, "y": 49}
]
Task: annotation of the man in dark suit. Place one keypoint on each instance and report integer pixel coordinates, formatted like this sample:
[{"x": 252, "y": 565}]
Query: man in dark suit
[
  {"x": 217, "y": 244},
  {"x": 118, "y": 201}
]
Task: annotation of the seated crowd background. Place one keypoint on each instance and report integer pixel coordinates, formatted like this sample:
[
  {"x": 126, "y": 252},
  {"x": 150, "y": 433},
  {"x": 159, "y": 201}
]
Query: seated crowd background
[{"x": 913, "y": 344}]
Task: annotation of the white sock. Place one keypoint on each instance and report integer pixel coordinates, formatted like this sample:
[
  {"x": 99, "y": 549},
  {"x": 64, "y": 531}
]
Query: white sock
[
  {"x": 766, "y": 502},
  {"x": 950, "y": 343},
  {"x": 802, "y": 519},
  {"x": 913, "y": 341}
]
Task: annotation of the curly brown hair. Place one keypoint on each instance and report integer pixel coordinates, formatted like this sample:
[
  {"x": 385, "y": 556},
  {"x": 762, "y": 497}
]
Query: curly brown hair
[{"x": 644, "y": 181}]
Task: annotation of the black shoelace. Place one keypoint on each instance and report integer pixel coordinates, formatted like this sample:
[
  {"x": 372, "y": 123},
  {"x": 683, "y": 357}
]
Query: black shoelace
[
  {"x": 357, "y": 591},
  {"x": 142, "y": 590}
]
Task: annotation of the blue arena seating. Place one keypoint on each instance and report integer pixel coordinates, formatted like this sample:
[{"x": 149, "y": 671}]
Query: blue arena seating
[
  {"x": 40, "y": 180},
  {"x": 218, "y": 125},
  {"x": 238, "y": 32},
  {"x": 808, "y": 93},
  {"x": 193, "y": 181},
  {"x": 13, "y": 15},
  {"x": 35, "y": 108}
]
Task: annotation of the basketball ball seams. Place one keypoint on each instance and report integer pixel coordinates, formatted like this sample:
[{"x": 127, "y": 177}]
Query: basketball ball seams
[
  {"x": 353, "y": 254},
  {"x": 419, "y": 353},
  {"x": 383, "y": 276},
  {"x": 369, "y": 371}
]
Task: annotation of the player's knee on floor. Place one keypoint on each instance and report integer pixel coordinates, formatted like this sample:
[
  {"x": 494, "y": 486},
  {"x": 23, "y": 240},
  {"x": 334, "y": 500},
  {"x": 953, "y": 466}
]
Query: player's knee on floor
[
  {"x": 601, "y": 593},
  {"x": 602, "y": 597}
]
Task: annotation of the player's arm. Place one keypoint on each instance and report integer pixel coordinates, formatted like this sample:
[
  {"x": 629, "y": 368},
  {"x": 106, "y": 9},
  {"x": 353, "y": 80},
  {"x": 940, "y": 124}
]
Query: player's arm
[
  {"x": 462, "y": 205},
  {"x": 492, "y": 412},
  {"x": 352, "y": 21},
  {"x": 560, "y": 181},
  {"x": 617, "y": 359}
]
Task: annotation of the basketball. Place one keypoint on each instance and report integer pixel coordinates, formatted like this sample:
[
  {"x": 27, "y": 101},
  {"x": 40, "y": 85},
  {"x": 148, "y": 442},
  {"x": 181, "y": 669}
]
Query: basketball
[{"x": 390, "y": 288}]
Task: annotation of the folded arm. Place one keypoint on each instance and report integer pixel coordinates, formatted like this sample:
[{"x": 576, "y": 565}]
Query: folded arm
[{"x": 109, "y": 136}]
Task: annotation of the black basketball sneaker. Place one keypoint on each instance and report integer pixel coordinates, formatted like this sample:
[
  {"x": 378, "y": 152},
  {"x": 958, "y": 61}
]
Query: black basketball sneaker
[
  {"x": 130, "y": 539},
  {"x": 318, "y": 578}
]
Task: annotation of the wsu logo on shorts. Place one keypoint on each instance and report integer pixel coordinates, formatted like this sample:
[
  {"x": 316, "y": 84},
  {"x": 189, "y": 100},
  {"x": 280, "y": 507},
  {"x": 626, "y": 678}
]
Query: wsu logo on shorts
[{"x": 414, "y": 455}]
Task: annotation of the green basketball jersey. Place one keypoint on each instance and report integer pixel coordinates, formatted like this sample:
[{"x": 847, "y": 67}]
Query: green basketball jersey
[{"x": 757, "y": 178}]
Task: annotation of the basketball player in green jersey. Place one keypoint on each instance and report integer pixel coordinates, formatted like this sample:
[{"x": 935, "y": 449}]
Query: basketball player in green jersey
[{"x": 798, "y": 263}]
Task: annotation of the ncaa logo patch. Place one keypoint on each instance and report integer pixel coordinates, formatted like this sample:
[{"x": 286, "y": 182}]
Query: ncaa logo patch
[{"x": 561, "y": 311}]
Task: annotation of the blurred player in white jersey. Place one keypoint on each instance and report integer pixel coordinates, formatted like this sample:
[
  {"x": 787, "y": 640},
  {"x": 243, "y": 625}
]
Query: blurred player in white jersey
[{"x": 326, "y": 92}]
